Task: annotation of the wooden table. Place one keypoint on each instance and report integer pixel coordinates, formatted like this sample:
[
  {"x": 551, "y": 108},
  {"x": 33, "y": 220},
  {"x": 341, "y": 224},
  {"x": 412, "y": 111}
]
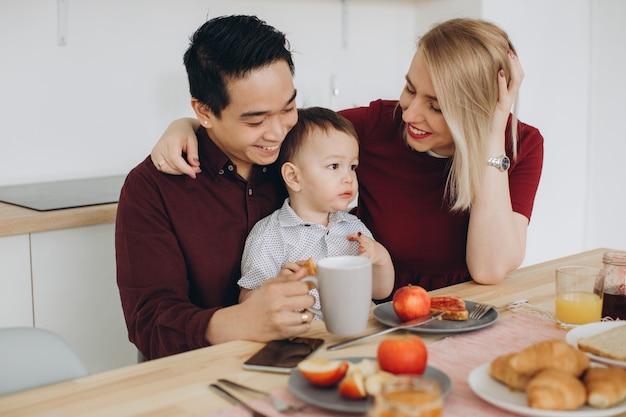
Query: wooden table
[{"x": 177, "y": 385}]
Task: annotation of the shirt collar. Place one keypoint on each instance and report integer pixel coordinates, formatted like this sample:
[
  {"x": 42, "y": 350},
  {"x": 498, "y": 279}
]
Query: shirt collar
[
  {"x": 214, "y": 162},
  {"x": 288, "y": 217}
]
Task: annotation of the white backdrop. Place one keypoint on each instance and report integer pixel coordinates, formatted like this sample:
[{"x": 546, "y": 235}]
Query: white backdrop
[{"x": 96, "y": 105}]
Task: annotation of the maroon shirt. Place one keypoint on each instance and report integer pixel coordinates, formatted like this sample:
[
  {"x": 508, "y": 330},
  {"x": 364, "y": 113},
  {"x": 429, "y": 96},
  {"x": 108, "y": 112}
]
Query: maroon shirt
[
  {"x": 179, "y": 243},
  {"x": 401, "y": 196}
]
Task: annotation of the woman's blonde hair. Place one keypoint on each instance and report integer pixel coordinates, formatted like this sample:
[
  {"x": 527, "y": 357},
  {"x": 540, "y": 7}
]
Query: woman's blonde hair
[{"x": 463, "y": 57}]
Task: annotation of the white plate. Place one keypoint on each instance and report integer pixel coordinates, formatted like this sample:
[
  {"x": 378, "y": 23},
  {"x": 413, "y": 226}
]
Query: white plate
[
  {"x": 499, "y": 395},
  {"x": 590, "y": 329},
  {"x": 384, "y": 314},
  {"x": 329, "y": 398}
]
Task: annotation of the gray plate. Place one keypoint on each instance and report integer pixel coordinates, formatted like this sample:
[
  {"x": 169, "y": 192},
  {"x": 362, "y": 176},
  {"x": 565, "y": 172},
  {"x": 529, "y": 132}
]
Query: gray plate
[
  {"x": 384, "y": 314},
  {"x": 329, "y": 398}
]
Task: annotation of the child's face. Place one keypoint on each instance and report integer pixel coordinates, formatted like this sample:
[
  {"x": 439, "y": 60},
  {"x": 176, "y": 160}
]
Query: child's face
[{"x": 327, "y": 164}]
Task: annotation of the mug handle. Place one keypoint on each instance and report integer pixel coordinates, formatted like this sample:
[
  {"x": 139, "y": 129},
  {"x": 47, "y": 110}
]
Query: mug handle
[{"x": 313, "y": 280}]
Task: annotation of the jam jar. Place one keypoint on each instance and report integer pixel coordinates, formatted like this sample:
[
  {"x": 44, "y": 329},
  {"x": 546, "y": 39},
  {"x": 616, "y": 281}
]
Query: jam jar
[
  {"x": 408, "y": 396},
  {"x": 614, "y": 271}
]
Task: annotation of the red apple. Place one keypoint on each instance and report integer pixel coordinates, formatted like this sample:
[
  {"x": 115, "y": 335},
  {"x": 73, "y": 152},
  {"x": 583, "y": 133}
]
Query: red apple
[
  {"x": 404, "y": 354},
  {"x": 353, "y": 386},
  {"x": 410, "y": 302},
  {"x": 323, "y": 372}
]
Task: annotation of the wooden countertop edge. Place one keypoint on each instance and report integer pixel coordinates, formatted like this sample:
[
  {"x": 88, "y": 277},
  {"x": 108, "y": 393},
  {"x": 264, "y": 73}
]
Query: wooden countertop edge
[{"x": 16, "y": 220}]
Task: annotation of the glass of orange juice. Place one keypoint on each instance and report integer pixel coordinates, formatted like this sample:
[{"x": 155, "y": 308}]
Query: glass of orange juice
[
  {"x": 579, "y": 292},
  {"x": 408, "y": 396}
]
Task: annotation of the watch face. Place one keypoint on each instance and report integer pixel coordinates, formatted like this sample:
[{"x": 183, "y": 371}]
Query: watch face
[
  {"x": 501, "y": 162},
  {"x": 505, "y": 164}
]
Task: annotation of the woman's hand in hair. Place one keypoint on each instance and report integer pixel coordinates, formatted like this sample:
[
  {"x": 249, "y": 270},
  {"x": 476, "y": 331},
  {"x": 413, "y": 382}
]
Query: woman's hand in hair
[{"x": 507, "y": 93}]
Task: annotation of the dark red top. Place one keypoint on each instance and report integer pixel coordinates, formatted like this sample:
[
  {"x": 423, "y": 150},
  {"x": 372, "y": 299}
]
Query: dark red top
[
  {"x": 401, "y": 196},
  {"x": 179, "y": 243}
]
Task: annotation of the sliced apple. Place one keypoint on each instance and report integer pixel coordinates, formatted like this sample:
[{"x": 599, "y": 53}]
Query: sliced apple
[
  {"x": 353, "y": 386},
  {"x": 374, "y": 382},
  {"x": 366, "y": 366},
  {"x": 323, "y": 372}
]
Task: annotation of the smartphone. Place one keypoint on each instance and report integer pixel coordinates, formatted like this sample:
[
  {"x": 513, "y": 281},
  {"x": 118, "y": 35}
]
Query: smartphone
[{"x": 282, "y": 356}]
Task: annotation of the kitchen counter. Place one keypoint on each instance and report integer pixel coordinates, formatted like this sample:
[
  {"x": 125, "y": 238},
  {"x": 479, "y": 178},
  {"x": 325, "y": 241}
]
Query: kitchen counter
[
  {"x": 58, "y": 273},
  {"x": 16, "y": 220}
]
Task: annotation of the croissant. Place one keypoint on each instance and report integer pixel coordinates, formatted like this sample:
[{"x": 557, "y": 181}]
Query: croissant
[
  {"x": 551, "y": 354},
  {"x": 500, "y": 369},
  {"x": 552, "y": 389},
  {"x": 605, "y": 386}
]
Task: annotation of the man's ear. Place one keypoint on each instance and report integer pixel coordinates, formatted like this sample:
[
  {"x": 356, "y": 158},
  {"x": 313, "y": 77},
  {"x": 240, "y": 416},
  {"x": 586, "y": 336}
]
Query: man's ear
[
  {"x": 203, "y": 113},
  {"x": 290, "y": 175}
]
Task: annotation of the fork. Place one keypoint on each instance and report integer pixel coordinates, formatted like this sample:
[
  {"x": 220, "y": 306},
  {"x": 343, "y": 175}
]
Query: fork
[
  {"x": 480, "y": 309},
  {"x": 278, "y": 404},
  {"x": 236, "y": 400}
]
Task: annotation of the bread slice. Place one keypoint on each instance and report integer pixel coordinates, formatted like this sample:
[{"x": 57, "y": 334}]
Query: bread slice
[
  {"x": 453, "y": 307},
  {"x": 311, "y": 268},
  {"x": 608, "y": 344}
]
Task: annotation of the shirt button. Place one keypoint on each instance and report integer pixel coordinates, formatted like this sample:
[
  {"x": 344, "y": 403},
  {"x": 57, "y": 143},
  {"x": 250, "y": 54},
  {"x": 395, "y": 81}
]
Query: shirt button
[
  {"x": 264, "y": 169},
  {"x": 249, "y": 191},
  {"x": 221, "y": 172},
  {"x": 230, "y": 168}
]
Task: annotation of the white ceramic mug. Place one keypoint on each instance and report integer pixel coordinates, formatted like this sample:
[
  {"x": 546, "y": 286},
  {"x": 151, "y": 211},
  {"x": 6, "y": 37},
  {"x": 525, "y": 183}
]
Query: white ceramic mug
[{"x": 344, "y": 284}]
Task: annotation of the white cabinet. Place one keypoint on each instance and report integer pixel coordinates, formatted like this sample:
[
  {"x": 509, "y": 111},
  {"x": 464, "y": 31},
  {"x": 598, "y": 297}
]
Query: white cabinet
[
  {"x": 75, "y": 294},
  {"x": 16, "y": 299}
]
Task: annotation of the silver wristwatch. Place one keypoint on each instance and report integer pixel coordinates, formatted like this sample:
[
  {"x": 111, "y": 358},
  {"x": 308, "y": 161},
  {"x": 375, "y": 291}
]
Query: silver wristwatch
[{"x": 501, "y": 162}]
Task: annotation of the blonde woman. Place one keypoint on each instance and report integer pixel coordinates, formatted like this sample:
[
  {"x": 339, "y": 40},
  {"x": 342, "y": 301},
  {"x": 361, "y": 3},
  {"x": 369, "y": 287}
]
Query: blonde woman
[{"x": 447, "y": 175}]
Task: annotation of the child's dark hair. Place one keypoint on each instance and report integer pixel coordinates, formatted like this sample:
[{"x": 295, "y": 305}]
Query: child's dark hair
[
  {"x": 309, "y": 119},
  {"x": 227, "y": 48}
]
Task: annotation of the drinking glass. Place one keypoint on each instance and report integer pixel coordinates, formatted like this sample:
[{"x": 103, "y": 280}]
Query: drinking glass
[{"x": 579, "y": 293}]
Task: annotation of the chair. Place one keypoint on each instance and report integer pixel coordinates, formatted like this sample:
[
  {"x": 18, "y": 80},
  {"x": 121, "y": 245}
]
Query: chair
[{"x": 31, "y": 358}]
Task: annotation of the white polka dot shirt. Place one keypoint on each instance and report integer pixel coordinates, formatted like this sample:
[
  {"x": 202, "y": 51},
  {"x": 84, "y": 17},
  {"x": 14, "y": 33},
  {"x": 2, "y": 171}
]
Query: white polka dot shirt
[{"x": 284, "y": 237}]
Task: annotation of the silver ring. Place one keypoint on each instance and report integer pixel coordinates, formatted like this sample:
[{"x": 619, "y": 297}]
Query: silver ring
[
  {"x": 305, "y": 318},
  {"x": 161, "y": 163}
]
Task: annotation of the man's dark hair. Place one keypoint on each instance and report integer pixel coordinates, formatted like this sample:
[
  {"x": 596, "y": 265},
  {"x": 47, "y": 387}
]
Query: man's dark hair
[
  {"x": 310, "y": 119},
  {"x": 227, "y": 48}
]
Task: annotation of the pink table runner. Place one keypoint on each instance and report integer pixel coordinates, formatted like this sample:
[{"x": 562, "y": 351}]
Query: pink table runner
[{"x": 457, "y": 356}]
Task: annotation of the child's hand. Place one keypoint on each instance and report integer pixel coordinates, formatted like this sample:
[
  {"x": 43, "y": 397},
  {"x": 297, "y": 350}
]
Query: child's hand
[
  {"x": 382, "y": 266},
  {"x": 292, "y": 271},
  {"x": 368, "y": 247}
]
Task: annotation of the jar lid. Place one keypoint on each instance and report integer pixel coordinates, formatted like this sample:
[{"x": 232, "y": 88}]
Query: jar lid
[{"x": 614, "y": 258}]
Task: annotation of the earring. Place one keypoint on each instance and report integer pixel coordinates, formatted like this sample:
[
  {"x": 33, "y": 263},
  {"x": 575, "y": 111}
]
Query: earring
[{"x": 206, "y": 122}]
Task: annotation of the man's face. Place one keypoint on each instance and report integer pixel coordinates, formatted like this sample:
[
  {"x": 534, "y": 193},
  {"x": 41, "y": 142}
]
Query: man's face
[{"x": 262, "y": 110}]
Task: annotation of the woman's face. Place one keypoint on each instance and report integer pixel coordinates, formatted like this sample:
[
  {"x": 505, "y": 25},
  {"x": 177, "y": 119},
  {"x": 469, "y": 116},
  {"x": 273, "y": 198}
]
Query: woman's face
[{"x": 426, "y": 129}]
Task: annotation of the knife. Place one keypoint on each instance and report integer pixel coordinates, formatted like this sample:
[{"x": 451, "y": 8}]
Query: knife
[
  {"x": 420, "y": 321},
  {"x": 235, "y": 400}
]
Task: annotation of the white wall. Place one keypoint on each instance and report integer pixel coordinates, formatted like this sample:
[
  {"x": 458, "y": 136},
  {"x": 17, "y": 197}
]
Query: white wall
[
  {"x": 606, "y": 196},
  {"x": 553, "y": 41},
  {"x": 573, "y": 56},
  {"x": 97, "y": 105}
]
